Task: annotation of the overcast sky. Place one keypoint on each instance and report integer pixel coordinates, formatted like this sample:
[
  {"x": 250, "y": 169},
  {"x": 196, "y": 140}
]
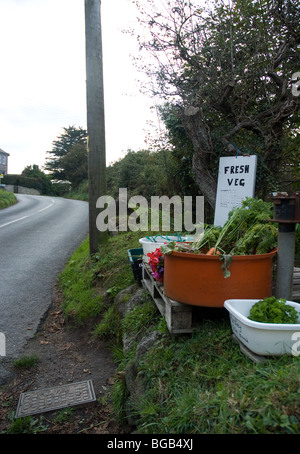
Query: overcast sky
[{"x": 42, "y": 78}]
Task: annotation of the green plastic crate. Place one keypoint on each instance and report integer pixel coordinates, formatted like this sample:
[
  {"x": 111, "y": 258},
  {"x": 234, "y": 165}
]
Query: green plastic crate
[{"x": 136, "y": 262}]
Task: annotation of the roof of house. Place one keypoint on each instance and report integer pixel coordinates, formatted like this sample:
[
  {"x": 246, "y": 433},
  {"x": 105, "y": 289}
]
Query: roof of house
[{"x": 4, "y": 152}]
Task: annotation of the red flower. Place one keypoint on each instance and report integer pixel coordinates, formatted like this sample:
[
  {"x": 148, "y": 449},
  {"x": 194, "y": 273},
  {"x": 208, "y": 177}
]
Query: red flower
[{"x": 156, "y": 261}]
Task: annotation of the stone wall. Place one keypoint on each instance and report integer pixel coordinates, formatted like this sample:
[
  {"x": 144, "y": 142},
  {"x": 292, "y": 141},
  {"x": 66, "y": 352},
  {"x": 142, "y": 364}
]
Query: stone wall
[
  {"x": 21, "y": 190},
  {"x": 125, "y": 301}
]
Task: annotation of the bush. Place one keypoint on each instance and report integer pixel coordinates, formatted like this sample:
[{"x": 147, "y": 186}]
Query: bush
[
  {"x": 20, "y": 180},
  {"x": 7, "y": 199}
]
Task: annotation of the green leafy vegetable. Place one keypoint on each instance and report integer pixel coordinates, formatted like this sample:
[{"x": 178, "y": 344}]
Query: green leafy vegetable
[
  {"x": 226, "y": 259},
  {"x": 272, "y": 310},
  {"x": 245, "y": 232},
  {"x": 260, "y": 239}
]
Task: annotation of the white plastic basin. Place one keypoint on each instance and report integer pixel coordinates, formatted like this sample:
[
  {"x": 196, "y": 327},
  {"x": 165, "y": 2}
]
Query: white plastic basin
[
  {"x": 151, "y": 243},
  {"x": 265, "y": 339}
]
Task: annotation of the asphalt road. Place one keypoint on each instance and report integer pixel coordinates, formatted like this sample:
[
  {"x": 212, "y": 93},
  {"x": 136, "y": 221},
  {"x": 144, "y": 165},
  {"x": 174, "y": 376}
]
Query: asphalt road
[{"x": 37, "y": 237}]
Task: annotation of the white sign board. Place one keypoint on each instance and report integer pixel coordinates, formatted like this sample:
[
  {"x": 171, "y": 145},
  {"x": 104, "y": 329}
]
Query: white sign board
[{"x": 236, "y": 181}]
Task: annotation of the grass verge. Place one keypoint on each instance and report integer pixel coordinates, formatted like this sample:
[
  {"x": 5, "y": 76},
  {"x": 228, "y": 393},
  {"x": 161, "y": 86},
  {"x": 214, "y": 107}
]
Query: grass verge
[
  {"x": 204, "y": 384},
  {"x": 7, "y": 199},
  {"x": 194, "y": 384},
  {"x": 25, "y": 362},
  {"x": 89, "y": 284}
]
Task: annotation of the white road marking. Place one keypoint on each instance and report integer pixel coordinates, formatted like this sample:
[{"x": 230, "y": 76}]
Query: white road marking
[
  {"x": 24, "y": 217},
  {"x": 11, "y": 222},
  {"x": 46, "y": 208}
]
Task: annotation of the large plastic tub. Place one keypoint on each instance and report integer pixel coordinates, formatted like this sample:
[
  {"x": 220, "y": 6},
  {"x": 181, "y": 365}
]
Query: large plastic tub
[
  {"x": 198, "y": 279},
  {"x": 266, "y": 339}
]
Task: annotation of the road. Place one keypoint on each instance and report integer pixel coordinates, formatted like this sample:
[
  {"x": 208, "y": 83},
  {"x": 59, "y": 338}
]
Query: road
[{"x": 37, "y": 236}]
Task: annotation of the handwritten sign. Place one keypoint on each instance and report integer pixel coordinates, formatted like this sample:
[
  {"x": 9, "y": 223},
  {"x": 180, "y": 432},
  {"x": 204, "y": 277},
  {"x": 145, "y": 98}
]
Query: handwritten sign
[{"x": 236, "y": 181}]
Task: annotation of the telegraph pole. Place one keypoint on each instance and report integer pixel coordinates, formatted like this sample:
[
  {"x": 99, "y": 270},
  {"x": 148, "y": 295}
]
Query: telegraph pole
[{"x": 95, "y": 117}]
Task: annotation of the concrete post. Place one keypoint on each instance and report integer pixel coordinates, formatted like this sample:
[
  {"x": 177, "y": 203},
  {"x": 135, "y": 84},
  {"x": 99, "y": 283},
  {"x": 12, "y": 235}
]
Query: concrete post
[{"x": 285, "y": 260}]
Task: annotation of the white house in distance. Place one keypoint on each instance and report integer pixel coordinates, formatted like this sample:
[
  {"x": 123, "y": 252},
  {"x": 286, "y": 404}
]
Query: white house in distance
[{"x": 3, "y": 162}]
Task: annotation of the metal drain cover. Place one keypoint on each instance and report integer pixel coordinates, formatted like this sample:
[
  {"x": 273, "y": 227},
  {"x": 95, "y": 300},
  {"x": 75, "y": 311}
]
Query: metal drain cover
[{"x": 49, "y": 399}]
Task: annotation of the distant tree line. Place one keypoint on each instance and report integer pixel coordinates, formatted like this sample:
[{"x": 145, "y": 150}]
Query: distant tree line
[
  {"x": 150, "y": 173},
  {"x": 142, "y": 172},
  {"x": 164, "y": 170}
]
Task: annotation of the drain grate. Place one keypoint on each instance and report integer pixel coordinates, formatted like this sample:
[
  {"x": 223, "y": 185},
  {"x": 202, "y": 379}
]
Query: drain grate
[{"x": 49, "y": 399}]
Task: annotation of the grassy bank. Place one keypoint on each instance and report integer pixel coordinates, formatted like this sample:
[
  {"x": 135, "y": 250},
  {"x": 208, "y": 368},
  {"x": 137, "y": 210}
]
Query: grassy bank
[
  {"x": 90, "y": 284},
  {"x": 80, "y": 193},
  {"x": 198, "y": 383},
  {"x": 7, "y": 199},
  {"x": 204, "y": 384}
]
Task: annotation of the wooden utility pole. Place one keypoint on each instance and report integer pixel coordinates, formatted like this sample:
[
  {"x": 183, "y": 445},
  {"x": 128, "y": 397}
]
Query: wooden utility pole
[{"x": 95, "y": 117}]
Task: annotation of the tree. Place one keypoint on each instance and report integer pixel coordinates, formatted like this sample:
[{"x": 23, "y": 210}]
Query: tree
[
  {"x": 32, "y": 171},
  {"x": 95, "y": 117},
  {"x": 75, "y": 165},
  {"x": 225, "y": 73},
  {"x": 64, "y": 143},
  {"x": 144, "y": 173}
]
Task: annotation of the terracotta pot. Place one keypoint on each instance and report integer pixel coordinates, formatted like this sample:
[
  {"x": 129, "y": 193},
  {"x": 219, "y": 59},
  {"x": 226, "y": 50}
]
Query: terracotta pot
[{"x": 198, "y": 280}]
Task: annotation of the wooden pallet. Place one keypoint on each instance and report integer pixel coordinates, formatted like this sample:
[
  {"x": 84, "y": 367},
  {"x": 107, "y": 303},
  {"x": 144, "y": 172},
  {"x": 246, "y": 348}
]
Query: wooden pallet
[{"x": 178, "y": 316}]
